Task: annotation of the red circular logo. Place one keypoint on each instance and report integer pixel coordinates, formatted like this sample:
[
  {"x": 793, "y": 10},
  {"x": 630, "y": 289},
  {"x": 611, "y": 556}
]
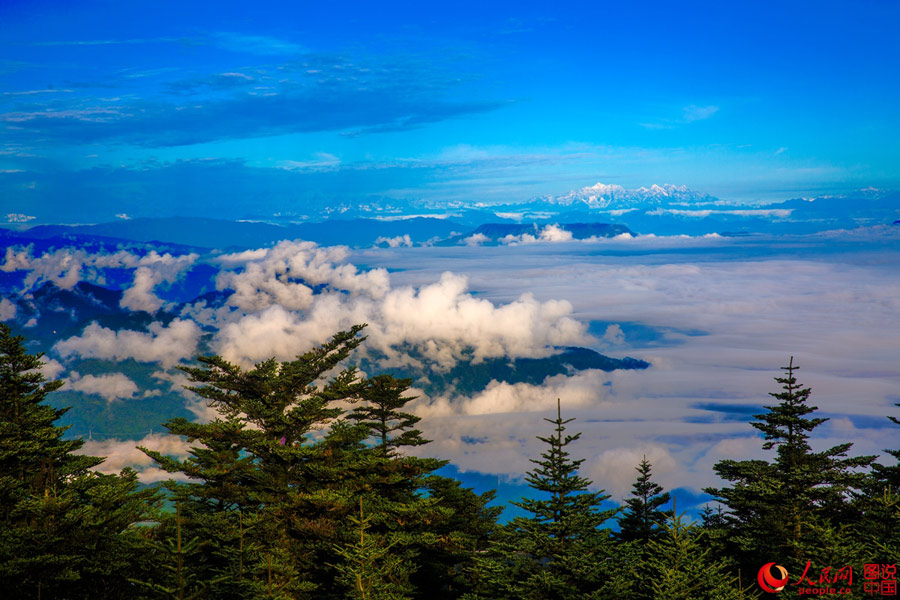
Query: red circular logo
[{"x": 769, "y": 582}]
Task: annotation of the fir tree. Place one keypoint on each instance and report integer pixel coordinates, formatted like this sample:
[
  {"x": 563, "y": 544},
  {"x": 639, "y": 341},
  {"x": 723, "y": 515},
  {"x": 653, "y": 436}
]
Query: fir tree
[
  {"x": 416, "y": 524},
  {"x": 175, "y": 578},
  {"x": 879, "y": 523},
  {"x": 447, "y": 566},
  {"x": 382, "y": 398},
  {"x": 268, "y": 489},
  {"x": 65, "y": 530},
  {"x": 681, "y": 566},
  {"x": 771, "y": 505},
  {"x": 369, "y": 570},
  {"x": 642, "y": 517},
  {"x": 560, "y": 550},
  {"x": 888, "y": 476},
  {"x": 277, "y": 477}
]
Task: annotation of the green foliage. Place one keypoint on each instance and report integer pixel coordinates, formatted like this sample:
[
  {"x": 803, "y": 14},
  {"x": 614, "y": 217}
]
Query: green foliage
[
  {"x": 642, "y": 517},
  {"x": 65, "y": 530},
  {"x": 560, "y": 551},
  {"x": 369, "y": 570},
  {"x": 890, "y": 475},
  {"x": 289, "y": 496},
  {"x": 383, "y": 396},
  {"x": 267, "y": 486},
  {"x": 772, "y": 505},
  {"x": 176, "y": 578},
  {"x": 447, "y": 566},
  {"x": 681, "y": 566}
]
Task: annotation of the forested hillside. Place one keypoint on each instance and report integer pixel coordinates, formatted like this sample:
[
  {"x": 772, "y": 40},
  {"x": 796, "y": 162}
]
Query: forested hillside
[{"x": 304, "y": 486}]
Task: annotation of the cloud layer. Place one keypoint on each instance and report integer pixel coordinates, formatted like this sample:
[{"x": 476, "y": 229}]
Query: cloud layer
[
  {"x": 715, "y": 317},
  {"x": 163, "y": 344}
]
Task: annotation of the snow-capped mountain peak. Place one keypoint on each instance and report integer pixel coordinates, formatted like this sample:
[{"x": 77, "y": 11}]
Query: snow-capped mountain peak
[{"x": 601, "y": 195}]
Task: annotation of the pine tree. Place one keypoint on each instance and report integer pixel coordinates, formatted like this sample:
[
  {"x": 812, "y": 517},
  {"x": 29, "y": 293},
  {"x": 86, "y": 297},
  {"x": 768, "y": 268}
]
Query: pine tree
[
  {"x": 382, "y": 398},
  {"x": 268, "y": 489},
  {"x": 888, "y": 476},
  {"x": 65, "y": 530},
  {"x": 681, "y": 566},
  {"x": 642, "y": 517},
  {"x": 447, "y": 566},
  {"x": 405, "y": 511},
  {"x": 560, "y": 550},
  {"x": 369, "y": 570},
  {"x": 771, "y": 505},
  {"x": 879, "y": 523}
]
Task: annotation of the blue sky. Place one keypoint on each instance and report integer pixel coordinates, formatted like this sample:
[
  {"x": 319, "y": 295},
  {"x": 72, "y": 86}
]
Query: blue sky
[{"x": 234, "y": 109}]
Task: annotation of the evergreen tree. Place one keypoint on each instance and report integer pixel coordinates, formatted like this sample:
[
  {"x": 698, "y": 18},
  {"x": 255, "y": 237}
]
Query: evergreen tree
[
  {"x": 430, "y": 521},
  {"x": 277, "y": 478},
  {"x": 267, "y": 488},
  {"x": 175, "y": 576},
  {"x": 888, "y": 476},
  {"x": 447, "y": 567},
  {"x": 879, "y": 505},
  {"x": 65, "y": 530},
  {"x": 771, "y": 505},
  {"x": 681, "y": 566},
  {"x": 558, "y": 552},
  {"x": 642, "y": 517},
  {"x": 369, "y": 570},
  {"x": 406, "y": 509},
  {"x": 382, "y": 398}
]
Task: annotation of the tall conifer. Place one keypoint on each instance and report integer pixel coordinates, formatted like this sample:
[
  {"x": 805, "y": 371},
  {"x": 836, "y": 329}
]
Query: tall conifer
[
  {"x": 772, "y": 505},
  {"x": 559, "y": 551},
  {"x": 66, "y": 531},
  {"x": 642, "y": 518}
]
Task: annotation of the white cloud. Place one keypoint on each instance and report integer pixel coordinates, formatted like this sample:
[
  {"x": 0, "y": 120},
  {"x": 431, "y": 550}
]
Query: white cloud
[
  {"x": 716, "y": 323},
  {"x": 443, "y": 319},
  {"x": 549, "y": 234},
  {"x": 780, "y": 213},
  {"x": 554, "y": 233},
  {"x": 164, "y": 344},
  {"x": 584, "y": 389},
  {"x": 614, "y": 334},
  {"x": 114, "y": 386},
  {"x": 62, "y": 267},
  {"x": 321, "y": 161},
  {"x": 52, "y": 368},
  {"x": 613, "y": 469},
  {"x": 283, "y": 276},
  {"x": 153, "y": 269},
  {"x": 67, "y": 266},
  {"x": 7, "y": 310},
  {"x": 124, "y": 453},
  {"x": 395, "y": 242},
  {"x": 476, "y": 239},
  {"x": 140, "y": 295},
  {"x": 699, "y": 113},
  {"x": 440, "y": 319}
]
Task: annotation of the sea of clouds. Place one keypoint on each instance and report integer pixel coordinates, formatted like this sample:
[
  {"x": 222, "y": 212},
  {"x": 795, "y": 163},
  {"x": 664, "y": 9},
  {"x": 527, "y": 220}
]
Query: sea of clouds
[{"x": 715, "y": 316}]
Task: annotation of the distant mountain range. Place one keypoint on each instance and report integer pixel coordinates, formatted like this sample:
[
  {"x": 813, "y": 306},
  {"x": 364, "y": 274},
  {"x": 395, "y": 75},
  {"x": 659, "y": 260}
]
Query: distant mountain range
[
  {"x": 599, "y": 210},
  {"x": 603, "y": 196}
]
